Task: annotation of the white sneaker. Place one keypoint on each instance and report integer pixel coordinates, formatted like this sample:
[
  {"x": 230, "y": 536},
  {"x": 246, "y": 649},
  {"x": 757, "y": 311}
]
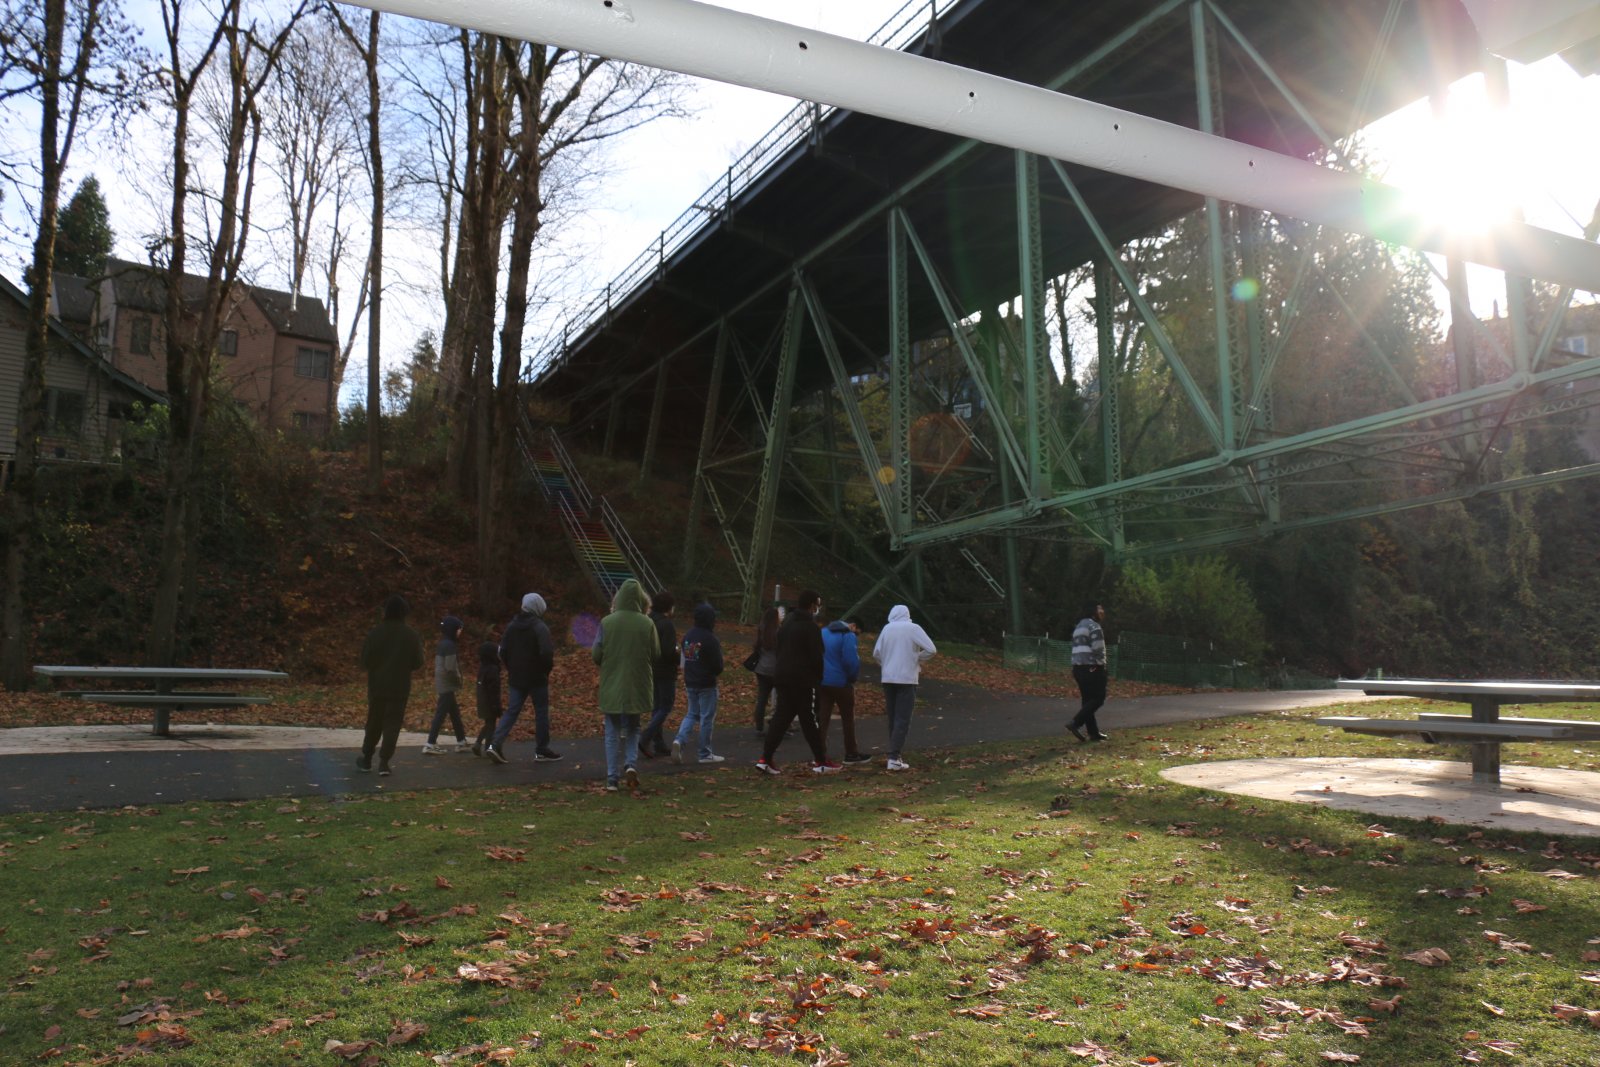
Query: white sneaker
[
  {"x": 677, "y": 752},
  {"x": 463, "y": 746},
  {"x": 897, "y": 765},
  {"x": 432, "y": 750},
  {"x": 713, "y": 758}
]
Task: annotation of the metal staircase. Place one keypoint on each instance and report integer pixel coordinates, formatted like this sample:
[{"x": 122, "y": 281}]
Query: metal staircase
[{"x": 592, "y": 527}]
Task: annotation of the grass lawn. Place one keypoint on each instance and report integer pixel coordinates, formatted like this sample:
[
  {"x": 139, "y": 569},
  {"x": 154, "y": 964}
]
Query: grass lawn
[{"x": 1044, "y": 903}]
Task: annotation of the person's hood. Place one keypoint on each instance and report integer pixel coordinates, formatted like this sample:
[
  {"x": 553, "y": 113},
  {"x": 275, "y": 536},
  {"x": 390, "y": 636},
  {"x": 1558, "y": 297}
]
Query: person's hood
[
  {"x": 705, "y": 616},
  {"x": 488, "y": 651},
  {"x": 533, "y": 604},
  {"x": 630, "y": 598},
  {"x": 450, "y": 626},
  {"x": 899, "y": 613},
  {"x": 838, "y": 626}
]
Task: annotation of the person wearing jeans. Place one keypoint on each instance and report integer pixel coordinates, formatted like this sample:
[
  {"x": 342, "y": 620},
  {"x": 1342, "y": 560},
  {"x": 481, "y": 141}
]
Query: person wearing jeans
[
  {"x": 1089, "y": 671},
  {"x": 901, "y": 648},
  {"x": 528, "y": 652},
  {"x": 702, "y": 663},
  {"x": 626, "y": 650}
]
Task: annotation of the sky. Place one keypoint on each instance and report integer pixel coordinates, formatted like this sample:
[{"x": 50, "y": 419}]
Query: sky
[{"x": 1541, "y": 156}]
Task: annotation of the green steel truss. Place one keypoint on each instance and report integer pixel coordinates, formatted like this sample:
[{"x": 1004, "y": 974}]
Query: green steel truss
[{"x": 969, "y": 433}]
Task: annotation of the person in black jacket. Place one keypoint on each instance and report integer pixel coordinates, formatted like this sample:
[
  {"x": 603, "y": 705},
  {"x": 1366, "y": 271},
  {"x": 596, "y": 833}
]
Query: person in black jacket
[
  {"x": 797, "y": 678},
  {"x": 529, "y": 654},
  {"x": 702, "y": 663},
  {"x": 391, "y": 654},
  {"x": 664, "y": 675}
]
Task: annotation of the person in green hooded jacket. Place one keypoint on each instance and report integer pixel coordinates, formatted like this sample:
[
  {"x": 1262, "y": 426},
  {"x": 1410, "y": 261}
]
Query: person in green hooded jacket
[{"x": 626, "y": 650}]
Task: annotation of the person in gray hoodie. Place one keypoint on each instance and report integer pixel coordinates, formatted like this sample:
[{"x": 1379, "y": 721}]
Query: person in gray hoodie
[
  {"x": 901, "y": 648},
  {"x": 529, "y": 654},
  {"x": 702, "y": 663},
  {"x": 446, "y": 684}
]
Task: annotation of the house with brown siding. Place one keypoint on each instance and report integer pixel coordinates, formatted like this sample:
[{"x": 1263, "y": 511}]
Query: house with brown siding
[
  {"x": 274, "y": 353},
  {"x": 87, "y": 401}
]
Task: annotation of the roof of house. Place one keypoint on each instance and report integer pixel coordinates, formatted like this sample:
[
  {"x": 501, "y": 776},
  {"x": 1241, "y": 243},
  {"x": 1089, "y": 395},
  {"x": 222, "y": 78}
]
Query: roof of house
[
  {"x": 70, "y": 340},
  {"x": 305, "y": 317},
  {"x": 143, "y": 288},
  {"x": 75, "y": 298}
]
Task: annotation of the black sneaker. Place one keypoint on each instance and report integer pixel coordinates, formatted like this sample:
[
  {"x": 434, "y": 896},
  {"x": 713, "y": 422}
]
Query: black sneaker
[
  {"x": 1075, "y": 732},
  {"x": 363, "y": 762},
  {"x": 383, "y": 768},
  {"x": 545, "y": 755},
  {"x": 858, "y": 758},
  {"x": 495, "y": 754}
]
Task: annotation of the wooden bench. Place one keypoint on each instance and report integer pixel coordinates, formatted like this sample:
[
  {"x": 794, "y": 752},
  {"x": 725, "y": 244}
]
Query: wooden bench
[
  {"x": 162, "y": 695},
  {"x": 1484, "y": 730}
]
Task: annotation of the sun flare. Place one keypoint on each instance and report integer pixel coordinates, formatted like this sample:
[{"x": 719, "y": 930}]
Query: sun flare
[{"x": 1468, "y": 171}]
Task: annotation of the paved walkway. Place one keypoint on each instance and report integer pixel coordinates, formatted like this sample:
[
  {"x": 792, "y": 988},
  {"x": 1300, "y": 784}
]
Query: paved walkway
[{"x": 70, "y": 767}]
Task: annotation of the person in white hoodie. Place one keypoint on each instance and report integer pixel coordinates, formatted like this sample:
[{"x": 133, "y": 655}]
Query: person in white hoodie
[{"x": 901, "y": 648}]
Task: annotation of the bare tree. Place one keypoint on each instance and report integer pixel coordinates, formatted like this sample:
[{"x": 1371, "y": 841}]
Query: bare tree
[
  {"x": 192, "y": 323},
  {"x": 70, "y": 59},
  {"x": 373, "y": 283},
  {"x": 310, "y": 128}
]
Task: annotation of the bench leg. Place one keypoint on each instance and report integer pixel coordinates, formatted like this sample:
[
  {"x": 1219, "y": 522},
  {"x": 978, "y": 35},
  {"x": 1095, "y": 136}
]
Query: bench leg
[
  {"x": 1485, "y": 763},
  {"x": 1485, "y": 754}
]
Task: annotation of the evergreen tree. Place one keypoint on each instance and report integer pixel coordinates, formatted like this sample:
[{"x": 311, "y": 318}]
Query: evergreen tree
[{"x": 83, "y": 235}]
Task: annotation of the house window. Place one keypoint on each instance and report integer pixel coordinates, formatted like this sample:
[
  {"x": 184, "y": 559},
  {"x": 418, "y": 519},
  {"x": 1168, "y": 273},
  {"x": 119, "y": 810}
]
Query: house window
[
  {"x": 311, "y": 422},
  {"x": 1578, "y": 345},
  {"x": 311, "y": 363},
  {"x": 63, "y": 413},
  {"x": 139, "y": 336},
  {"x": 228, "y": 343}
]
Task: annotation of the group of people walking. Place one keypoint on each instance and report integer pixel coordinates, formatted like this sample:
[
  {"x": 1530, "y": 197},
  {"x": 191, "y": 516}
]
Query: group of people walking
[{"x": 807, "y": 670}]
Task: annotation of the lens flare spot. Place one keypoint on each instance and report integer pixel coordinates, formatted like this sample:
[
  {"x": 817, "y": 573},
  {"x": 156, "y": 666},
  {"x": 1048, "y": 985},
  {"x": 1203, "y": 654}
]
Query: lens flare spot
[
  {"x": 584, "y": 629},
  {"x": 886, "y": 475},
  {"x": 1246, "y": 290}
]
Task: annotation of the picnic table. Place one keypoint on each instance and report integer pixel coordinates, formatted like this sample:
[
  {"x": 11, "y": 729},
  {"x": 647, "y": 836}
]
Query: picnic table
[
  {"x": 1484, "y": 730},
  {"x": 159, "y": 688}
]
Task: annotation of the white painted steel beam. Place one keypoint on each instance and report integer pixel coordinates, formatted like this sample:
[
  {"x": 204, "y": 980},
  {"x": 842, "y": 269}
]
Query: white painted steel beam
[{"x": 711, "y": 42}]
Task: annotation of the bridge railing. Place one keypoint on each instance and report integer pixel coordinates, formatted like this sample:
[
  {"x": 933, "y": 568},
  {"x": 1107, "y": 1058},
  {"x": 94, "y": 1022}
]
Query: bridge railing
[{"x": 800, "y": 124}]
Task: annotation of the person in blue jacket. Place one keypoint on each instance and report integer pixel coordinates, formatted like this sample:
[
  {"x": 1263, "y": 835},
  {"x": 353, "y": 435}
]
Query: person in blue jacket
[{"x": 841, "y": 665}]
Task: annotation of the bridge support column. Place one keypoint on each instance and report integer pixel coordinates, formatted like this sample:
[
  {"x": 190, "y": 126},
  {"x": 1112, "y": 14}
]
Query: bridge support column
[
  {"x": 1110, "y": 374},
  {"x": 1209, "y": 107},
  {"x": 647, "y": 461},
  {"x": 707, "y": 435},
  {"x": 899, "y": 474},
  {"x": 772, "y": 460}
]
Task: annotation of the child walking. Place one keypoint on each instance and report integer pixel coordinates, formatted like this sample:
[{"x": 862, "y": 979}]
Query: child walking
[
  {"x": 446, "y": 684},
  {"x": 702, "y": 663},
  {"x": 488, "y": 693}
]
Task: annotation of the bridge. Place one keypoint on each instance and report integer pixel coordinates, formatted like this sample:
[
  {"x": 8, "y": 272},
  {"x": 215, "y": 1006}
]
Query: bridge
[{"x": 870, "y": 309}]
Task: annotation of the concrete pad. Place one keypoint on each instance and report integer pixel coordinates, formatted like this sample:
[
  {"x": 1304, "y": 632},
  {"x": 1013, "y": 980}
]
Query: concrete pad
[
  {"x": 185, "y": 737},
  {"x": 1528, "y": 799}
]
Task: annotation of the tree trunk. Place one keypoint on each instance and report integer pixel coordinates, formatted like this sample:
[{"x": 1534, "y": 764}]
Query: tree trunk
[
  {"x": 495, "y": 560},
  {"x": 19, "y": 503},
  {"x": 374, "y": 268}
]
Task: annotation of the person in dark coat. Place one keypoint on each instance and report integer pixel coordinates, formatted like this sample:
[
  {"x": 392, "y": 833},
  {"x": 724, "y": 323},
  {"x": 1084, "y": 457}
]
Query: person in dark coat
[
  {"x": 529, "y": 654},
  {"x": 664, "y": 674},
  {"x": 391, "y": 654},
  {"x": 796, "y": 680}
]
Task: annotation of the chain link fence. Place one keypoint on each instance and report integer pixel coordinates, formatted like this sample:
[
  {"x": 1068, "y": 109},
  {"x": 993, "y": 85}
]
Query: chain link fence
[{"x": 1162, "y": 659}]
